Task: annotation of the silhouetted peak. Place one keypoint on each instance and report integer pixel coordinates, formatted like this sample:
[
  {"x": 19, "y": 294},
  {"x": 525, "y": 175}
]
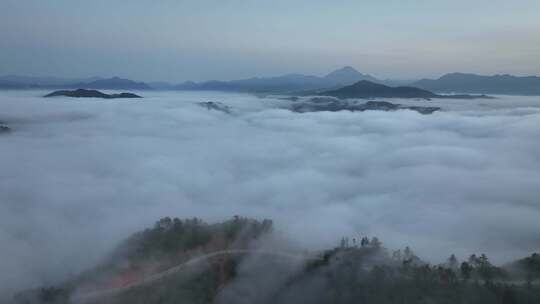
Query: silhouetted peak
[
  {"x": 347, "y": 75},
  {"x": 346, "y": 70}
]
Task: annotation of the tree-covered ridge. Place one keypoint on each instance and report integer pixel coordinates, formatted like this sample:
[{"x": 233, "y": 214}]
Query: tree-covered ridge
[
  {"x": 531, "y": 265},
  {"x": 170, "y": 236},
  {"x": 358, "y": 270},
  {"x": 171, "y": 241},
  {"x": 369, "y": 273},
  {"x": 527, "y": 268}
]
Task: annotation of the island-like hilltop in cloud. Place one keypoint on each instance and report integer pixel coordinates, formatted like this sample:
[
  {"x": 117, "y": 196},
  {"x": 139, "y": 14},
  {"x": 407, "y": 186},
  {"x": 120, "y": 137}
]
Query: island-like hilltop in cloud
[
  {"x": 82, "y": 93},
  {"x": 368, "y": 89}
]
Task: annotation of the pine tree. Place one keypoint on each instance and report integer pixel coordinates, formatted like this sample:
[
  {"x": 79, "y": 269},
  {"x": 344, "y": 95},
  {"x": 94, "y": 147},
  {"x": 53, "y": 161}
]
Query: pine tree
[
  {"x": 466, "y": 271},
  {"x": 453, "y": 262},
  {"x": 375, "y": 243}
]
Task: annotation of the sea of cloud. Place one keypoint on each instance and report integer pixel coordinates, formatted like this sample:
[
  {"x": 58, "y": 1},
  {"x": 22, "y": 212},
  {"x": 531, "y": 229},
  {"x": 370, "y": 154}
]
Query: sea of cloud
[{"x": 78, "y": 175}]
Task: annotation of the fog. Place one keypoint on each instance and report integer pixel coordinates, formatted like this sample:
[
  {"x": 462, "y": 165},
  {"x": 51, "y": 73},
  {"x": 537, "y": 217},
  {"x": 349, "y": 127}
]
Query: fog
[{"x": 77, "y": 176}]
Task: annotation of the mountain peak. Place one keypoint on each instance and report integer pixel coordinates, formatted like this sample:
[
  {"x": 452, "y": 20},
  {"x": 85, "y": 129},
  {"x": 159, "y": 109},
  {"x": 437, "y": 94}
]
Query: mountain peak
[
  {"x": 347, "y": 75},
  {"x": 115, "y": 82},
  {"x": 349, "y": 70}
]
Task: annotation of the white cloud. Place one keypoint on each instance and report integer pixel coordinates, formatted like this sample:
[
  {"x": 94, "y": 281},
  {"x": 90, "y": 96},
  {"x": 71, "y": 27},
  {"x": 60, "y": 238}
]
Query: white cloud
[{"x": 79, "y": 175}]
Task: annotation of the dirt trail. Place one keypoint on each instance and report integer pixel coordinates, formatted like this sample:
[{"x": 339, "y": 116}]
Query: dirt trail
[{"x": 91, "y": 296}]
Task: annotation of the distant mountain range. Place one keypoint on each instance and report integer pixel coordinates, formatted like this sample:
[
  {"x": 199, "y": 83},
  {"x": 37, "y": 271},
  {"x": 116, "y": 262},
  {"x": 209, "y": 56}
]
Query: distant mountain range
[
  {"x": 114, "y": 83},
  {"x": 472, "y": 83},
  {"x": 281, "y": 84},
  {"x": 293, "y": 83},
  {"x": 16, "y": 81}
]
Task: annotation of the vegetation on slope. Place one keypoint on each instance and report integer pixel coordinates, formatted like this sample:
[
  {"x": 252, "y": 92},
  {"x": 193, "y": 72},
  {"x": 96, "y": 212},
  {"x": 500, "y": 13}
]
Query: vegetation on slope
[{"x": 357, "y": 271}]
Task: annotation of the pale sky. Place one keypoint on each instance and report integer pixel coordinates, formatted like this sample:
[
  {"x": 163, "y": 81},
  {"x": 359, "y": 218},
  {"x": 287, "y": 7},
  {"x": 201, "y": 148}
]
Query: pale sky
[{"x": 178, "y": 40}]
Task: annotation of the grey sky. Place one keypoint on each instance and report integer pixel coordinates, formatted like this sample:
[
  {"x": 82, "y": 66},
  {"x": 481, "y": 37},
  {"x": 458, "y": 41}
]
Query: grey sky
[{"x": 180, "y": 40}]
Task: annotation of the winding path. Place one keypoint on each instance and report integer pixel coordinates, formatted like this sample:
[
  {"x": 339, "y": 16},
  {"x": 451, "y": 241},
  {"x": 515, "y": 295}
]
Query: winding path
[{"x": 85, "y": 297}]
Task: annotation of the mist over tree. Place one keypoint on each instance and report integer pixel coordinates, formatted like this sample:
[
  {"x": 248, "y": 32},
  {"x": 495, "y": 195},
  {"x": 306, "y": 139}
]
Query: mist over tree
[{"x": 353, "y": 271}]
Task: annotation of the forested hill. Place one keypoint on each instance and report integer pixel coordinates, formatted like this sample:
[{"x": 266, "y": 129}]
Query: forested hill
[{"x": 175, "y": 261}]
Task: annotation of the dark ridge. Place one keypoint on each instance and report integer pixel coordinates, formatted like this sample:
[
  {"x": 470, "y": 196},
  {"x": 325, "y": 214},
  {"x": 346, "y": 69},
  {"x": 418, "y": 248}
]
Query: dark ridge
[
  {"x": 320, "y": 104},
  {"x": 28, "y": 82},
  {"x": 368, "y": 89},
  {"x": 217, "y": 106},
  {"x": 82, "y": 93}
]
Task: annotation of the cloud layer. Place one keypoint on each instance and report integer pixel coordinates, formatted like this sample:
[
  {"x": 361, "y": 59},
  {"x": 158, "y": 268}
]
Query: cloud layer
[{"x": 79, "y": 175}]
